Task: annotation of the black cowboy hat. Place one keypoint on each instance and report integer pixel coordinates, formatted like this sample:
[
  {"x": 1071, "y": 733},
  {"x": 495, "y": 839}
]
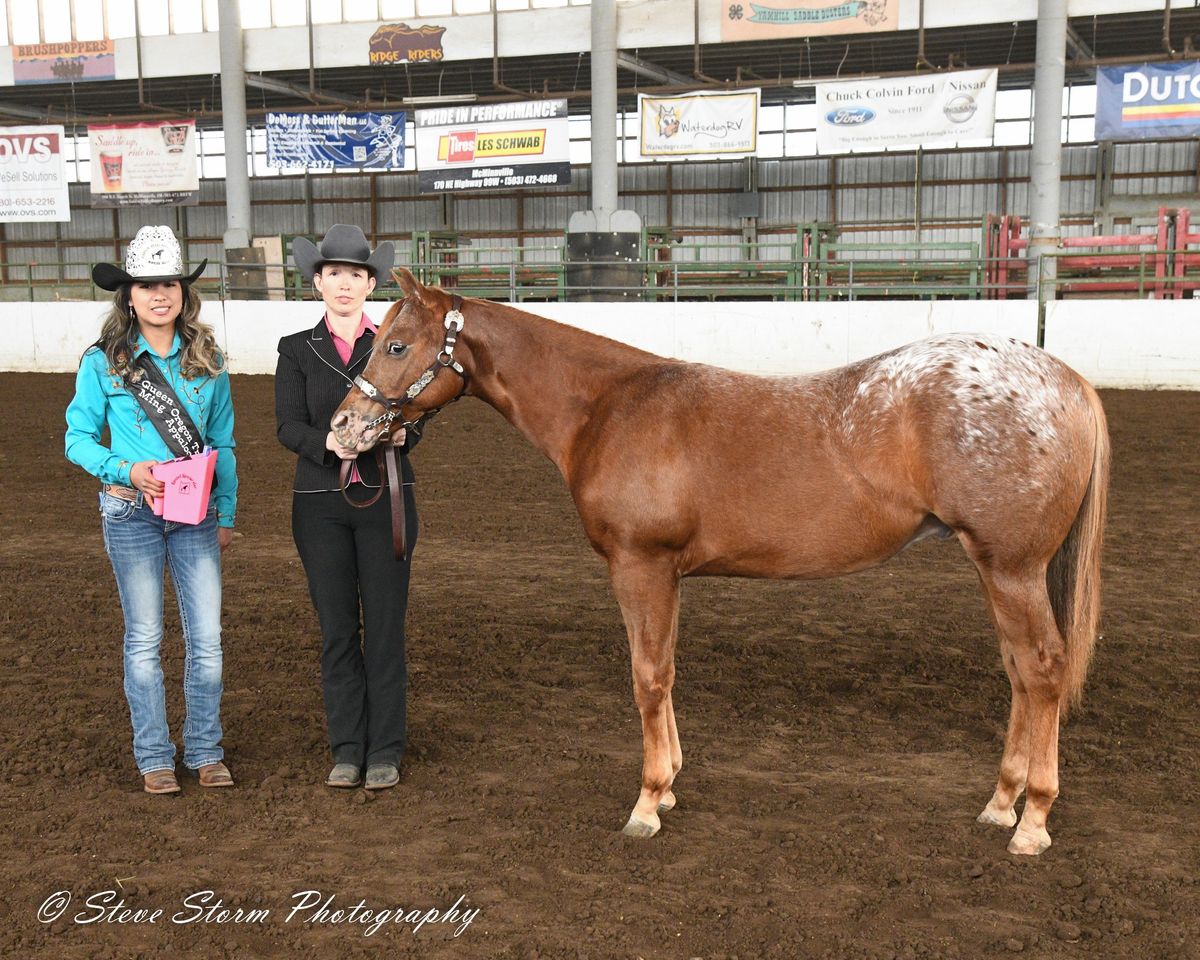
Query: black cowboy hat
[
  {"x": 342, "y": 243},
  {"x": 153, "y": 256}
]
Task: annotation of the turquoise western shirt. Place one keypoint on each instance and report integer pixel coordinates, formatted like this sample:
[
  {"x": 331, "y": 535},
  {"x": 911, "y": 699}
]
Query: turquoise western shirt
[{"x": 100, "y": 399}]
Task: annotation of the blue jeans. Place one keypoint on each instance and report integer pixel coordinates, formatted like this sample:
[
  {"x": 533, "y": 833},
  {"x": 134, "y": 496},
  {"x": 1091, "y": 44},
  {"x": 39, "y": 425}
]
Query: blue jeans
[{"x": 138, "y": 544}]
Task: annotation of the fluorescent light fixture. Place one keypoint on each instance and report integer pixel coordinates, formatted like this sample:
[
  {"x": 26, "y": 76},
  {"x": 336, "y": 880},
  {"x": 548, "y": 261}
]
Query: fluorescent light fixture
[{"x": 442, "y": 98}]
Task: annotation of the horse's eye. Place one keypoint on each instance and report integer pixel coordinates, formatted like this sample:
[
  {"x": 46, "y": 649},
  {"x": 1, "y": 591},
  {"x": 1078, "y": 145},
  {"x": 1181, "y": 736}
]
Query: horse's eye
[{"x": 396, "y": 348}]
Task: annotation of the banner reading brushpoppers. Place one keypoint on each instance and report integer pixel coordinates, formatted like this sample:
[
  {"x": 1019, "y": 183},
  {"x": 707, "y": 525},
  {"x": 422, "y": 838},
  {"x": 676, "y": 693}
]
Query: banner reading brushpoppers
[
  {"x": 775, "y": 19},
  {"x": 1149, "y": 101},
  {"x": 64, "y": 62},
  {"x": 493, "y": 146},
  {"x": 698, "y": 125},
  {"x": 144, "y": 164},
  {"x": 329, "y": 141},
  {"x": 934, "y": 110},
  {"x": 33, "y": 177}
]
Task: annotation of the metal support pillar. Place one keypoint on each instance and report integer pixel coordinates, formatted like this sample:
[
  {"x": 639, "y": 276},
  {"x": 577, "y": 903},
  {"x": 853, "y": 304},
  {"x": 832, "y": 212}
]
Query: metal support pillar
[
  {"x": 1046, "y": 155},
  {"x": 233, "y": 111}
]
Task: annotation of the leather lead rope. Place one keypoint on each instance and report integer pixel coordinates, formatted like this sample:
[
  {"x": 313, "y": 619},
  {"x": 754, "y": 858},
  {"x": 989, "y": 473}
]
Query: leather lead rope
[{"x": 388, "y": 459}]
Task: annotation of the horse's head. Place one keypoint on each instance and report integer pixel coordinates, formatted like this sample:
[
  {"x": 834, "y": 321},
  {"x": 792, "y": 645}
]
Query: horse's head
[{"x": 411, "y": 371}]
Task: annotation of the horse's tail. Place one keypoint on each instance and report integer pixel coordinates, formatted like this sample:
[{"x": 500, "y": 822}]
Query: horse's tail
[{"x": 1073, "y": 576}]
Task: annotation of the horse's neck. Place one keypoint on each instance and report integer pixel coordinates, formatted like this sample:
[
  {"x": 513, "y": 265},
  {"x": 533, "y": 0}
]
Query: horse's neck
[{"x": 542, "y": 376}]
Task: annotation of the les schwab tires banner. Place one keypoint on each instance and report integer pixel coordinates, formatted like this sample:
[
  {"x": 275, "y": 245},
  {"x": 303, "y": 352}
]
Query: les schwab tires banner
[{"x": 493, "y": 146}]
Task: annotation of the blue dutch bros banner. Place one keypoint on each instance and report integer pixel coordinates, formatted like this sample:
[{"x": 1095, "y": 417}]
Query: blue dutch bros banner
[
  {"x": 327, "y": 141},
  {"x": 1148, "y": 101}
]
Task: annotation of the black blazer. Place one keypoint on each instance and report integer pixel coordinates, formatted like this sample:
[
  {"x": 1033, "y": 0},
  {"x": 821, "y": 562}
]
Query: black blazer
[{"x": 310, "y": 382}]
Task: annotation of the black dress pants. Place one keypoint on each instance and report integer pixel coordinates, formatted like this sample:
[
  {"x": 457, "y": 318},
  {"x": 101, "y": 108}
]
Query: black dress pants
[{"x": 348, "y": 557}]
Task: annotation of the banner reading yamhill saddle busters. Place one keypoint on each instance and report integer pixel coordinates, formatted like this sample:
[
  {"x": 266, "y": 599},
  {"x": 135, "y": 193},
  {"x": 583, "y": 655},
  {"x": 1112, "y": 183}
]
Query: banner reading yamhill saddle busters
[
  {"x": 931, "y": 110},
  {"x": 777, "y": 19},
  {"x": 33, "y": 176},
  {"x": 698, "y": 125},
  {"x": 144, "y": 164},
  {"x": 493, "y": 146}
]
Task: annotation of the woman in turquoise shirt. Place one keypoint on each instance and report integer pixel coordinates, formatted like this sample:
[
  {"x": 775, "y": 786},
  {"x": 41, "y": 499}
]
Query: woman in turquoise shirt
[{"x": 155, "y": 319}]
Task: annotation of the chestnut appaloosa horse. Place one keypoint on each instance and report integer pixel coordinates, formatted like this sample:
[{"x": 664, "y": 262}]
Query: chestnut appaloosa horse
[{"x": 984, "y": 438}]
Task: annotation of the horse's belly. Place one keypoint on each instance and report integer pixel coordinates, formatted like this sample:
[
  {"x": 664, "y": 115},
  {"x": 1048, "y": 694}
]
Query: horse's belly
[{"x": 804, "y": 548}]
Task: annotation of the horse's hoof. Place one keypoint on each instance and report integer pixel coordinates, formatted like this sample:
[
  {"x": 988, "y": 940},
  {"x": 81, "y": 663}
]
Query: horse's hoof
[
  {"x": 1027, "y": 843},
  {"x": 998, "y": 818},
  {"x": 639, "y": 829},
  {"x": 667, "y": 802}
]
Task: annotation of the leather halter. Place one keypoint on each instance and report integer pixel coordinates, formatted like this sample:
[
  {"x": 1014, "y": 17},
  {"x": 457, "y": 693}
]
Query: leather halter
[{"x": 388, "y": 457}]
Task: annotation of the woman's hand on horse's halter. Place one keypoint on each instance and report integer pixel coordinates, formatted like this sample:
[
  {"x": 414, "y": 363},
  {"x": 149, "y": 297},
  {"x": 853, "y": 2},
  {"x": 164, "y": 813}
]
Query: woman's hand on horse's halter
[
  {"x": 141, "y": 477},
  {"x": 398, "y": 437},
  {"x": 344, "y": 453}
]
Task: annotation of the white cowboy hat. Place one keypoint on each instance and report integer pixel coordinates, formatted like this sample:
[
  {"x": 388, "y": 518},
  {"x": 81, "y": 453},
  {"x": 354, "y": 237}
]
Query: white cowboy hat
[{"x": 153, "y": 255}]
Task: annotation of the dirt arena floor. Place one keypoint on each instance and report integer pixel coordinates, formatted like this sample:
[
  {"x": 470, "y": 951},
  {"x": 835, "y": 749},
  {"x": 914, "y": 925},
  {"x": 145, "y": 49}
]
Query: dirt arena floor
[{"x": 839, "y": 739}]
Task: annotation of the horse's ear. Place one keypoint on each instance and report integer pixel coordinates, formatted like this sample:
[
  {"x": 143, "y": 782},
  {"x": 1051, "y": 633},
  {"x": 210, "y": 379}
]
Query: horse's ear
[{"x": 409, "y": 285}]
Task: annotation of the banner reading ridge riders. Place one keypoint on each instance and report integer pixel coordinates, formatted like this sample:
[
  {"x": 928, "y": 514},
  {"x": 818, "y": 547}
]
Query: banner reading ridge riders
[{"x": 493, "y": 146}]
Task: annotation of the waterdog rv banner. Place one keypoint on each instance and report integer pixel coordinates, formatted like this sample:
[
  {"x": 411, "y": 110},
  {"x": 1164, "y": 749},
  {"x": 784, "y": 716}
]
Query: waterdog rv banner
[
  {"x": 698, "y": 125},
  {"x": 1148, "y": 101},
  {"x": 927, "y": 111}
]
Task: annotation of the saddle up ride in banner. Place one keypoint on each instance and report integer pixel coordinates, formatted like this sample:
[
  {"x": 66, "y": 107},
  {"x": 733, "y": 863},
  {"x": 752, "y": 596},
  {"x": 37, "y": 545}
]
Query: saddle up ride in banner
[{"x": 986, "y": 439}]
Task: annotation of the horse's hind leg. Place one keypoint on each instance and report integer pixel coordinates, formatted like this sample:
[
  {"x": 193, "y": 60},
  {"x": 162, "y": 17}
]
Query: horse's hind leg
[
  {"x": 648, "y": 592},
  {"x": 1035, "y": 653},
  {"x": 1014, "y": 765}
]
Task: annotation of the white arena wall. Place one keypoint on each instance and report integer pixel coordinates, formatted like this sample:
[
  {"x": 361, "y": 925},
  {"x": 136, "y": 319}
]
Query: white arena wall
[{"x": 1116, "y": 343}]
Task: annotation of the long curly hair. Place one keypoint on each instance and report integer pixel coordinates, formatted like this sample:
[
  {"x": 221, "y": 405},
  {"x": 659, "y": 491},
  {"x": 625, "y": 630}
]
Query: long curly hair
[{"x": 118, "y": 334}]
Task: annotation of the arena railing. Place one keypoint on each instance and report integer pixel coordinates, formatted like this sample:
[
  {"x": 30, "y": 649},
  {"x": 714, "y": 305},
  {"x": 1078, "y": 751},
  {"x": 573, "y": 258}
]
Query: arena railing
[{"x": 845, "y": 272}]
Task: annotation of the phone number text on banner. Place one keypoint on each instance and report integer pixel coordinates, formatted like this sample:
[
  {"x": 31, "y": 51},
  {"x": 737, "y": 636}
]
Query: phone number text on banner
[
  {"x": 328, "y": 141},
  {"x": 493, "y": 146}
]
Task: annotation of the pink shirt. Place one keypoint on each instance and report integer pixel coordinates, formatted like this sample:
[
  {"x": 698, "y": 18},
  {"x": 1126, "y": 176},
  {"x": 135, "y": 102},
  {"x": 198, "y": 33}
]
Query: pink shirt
[{"x": 345, "y": 349}]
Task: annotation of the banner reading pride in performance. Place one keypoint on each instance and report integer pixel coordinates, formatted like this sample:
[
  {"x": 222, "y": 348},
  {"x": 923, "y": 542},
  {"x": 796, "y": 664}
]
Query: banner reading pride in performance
[
  {"x": 327, "y": 141},
  {"x": 33, "y": 177},
  {"x": 1149, "y": 101},
  {"x": 698, "y": 125},
  {"x": 493, "y": 146},
  {"x": 929, "y": 110},
  {"x": 143, "y": 164}
]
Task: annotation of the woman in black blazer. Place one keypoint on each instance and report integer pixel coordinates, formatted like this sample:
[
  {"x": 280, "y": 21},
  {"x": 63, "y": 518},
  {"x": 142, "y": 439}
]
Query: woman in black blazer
[{"x": 347, "y": 552}]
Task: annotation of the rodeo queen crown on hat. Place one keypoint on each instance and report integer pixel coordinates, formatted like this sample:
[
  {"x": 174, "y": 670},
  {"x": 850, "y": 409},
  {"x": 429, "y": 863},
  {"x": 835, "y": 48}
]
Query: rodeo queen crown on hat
[
  {"x": 153, "y": 256},
  {"x": 343, "y": 243}
]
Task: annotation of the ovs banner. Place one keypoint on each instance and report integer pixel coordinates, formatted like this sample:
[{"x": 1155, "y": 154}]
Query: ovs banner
[
  {"x": 1149, "y": 101},
  {"x": 776, "y": 19},
  {"x": 328, "y": 141},
  {"x": 934, "y": 110},
  {"x": 493, "y": 146},
  {"x": 33, "y": 176},
  {"x": 698, "y": 125},
  {"x": 144, "y": 164}
]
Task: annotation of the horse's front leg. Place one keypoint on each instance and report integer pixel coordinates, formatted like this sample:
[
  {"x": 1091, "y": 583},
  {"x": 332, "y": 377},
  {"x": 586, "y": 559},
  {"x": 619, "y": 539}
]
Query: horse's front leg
[{"x": 648, "y": 592}]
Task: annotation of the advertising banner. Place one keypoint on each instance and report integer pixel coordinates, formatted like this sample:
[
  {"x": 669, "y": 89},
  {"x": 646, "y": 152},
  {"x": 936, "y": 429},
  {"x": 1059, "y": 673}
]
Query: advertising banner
[
  {"x": 930, "y": 110},
  {"x": 777, "y": 19},
  {"x": 1149, "y": 101},
  {"x": 64, "y": 62},
  {"x": 328, "y": 141},
  {"x": 33, "y": 176},
  {"x": 493, "y": 146},
  {"x": 144, "y": 164},
  {"x": 698, "y": 125}
]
